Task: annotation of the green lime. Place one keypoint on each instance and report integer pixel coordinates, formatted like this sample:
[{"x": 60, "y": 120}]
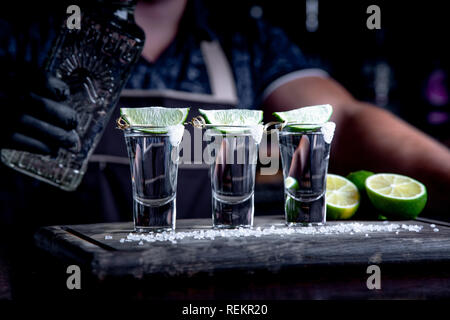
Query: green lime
[
  {"x": 396, "y": 194},
  {"x": 366, "y": 209},
  {"x": 342, "y": 197},
  {"x": 154, "y": 117},
  {"x": 309, "y": 116},
  {"x": 359, "y": 178},
  {"x": 291, "y": 183},
  {"x": 232, "y": 117},
  {"x": 291, "y": 205},
  {"x": 292, "y": 209}
]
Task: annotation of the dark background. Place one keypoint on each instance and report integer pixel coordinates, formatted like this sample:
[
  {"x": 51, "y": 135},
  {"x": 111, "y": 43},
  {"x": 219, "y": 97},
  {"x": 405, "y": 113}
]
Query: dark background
[{"x": 389, "y": 67}]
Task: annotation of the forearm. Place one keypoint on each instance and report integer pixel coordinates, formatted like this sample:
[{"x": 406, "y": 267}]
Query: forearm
[{"x": 372, "y": 138}]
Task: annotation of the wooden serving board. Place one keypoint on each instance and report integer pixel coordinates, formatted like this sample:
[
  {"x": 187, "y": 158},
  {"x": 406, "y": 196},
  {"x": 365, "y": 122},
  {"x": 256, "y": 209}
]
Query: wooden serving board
[{"x": 86, "y": 245}]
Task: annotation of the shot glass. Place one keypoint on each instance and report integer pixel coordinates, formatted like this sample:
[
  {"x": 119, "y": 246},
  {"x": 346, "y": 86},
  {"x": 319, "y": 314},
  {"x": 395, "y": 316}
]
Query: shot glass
[
  {"x": 154, "y": 160},
  {"x": 304, "y": 158},
  {"x": 232, "y": 154}
]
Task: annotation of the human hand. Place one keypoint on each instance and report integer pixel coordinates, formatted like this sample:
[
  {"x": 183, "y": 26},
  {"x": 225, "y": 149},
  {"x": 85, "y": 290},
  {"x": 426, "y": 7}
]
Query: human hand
[{"x": 35, "y": 117}]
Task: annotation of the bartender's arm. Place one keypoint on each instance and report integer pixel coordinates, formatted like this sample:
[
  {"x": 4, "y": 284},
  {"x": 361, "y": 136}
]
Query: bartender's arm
[{"x": 368, "y": 137}]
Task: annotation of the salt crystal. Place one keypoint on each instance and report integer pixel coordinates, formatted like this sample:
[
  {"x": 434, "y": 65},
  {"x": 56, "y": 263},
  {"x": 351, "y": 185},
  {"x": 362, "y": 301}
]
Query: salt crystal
[
  {"x": 436, "y": 230},
  {"x": 107, "y": 237},
  {"x": 432, "y": 225},
  {"x": 122, "y": 240},
  {"x": 257, "y": 132},
  {"x": 341, "y": 228},
  {"x": 141, "y": 243},
  {"x": 175, "y": 134},
  {"x": 328, "y": 131}
]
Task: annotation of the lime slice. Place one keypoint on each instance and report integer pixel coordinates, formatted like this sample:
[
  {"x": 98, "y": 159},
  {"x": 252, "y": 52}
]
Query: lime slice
[
  {"x": 154, "y": 117},
  {"x": 396, "y": 194},
  {"x": 233, "y": 117},
  {"x": 359, "y": 178},
  {"x": 291, "y": 209},
  {"x": 342, "y": 197},
  {"x": 309, "y": 116},
  {"x": 291, "y": 183}
]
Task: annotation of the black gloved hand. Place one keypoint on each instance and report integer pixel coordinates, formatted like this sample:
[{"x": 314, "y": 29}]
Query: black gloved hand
[{"x": 35, "y": 118}]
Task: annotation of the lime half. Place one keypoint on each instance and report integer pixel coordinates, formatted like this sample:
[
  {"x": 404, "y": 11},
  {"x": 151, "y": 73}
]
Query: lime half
[
  {"x": 306, "y": 118},
  {"x": 154, "y": 117},
  {"x": 396, "y": 194},
  {"x": 232, "y": 117},
  {"x": 342, "y": 197}
]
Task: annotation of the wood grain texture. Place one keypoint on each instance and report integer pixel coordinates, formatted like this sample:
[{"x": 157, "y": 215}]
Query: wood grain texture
[{"x": 86, "y": 244}]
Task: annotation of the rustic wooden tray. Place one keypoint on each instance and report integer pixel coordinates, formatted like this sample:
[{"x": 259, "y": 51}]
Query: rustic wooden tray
[{"x": 86, "y": 245}]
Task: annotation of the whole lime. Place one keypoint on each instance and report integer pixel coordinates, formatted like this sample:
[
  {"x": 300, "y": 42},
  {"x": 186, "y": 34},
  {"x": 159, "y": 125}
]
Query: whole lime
[{"x": 359, "y": 178}]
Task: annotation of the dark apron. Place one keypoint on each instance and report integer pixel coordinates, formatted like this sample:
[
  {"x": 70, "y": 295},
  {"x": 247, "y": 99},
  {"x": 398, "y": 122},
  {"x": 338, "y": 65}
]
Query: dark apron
[{"x": 110, "y": 165}]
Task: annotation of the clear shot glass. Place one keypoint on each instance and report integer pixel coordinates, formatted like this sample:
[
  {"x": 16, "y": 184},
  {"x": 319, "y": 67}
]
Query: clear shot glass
[
  {"x": 154, "y": 157},
  {"x": 304, "y": 157},
  {"x": 232, "y": 154}
]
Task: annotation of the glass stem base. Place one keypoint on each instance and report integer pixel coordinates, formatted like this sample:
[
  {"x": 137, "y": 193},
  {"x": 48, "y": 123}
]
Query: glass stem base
[
  {"x": 233, "y": 215},
  {"x": 154, "y": 218},
  {"x": 305, "y": 213}
]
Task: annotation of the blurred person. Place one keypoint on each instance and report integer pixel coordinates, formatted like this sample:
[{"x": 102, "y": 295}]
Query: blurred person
[{"x": 190, "y": 58}]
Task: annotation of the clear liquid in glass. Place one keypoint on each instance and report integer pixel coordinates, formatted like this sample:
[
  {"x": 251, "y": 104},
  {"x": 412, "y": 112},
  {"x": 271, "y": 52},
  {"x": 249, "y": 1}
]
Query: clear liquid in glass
[
  {"x": 233, "y": 180},
  {"x": 154, "y": 169},
  {"x": 305, "y": 157}
]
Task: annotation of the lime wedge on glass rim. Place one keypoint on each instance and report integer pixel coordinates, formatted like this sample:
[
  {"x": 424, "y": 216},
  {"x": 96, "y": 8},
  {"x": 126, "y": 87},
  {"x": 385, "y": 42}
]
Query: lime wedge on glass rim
[
  {"x": 158, "y": 117},
  {"x": 396, "y": 194},
  {"x": 223, "y": 119},
  {"x": 306, "y": 118}
]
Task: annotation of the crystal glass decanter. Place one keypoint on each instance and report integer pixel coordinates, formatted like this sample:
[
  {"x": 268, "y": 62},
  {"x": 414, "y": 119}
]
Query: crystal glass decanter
[{"x": 96, "y": 62}]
